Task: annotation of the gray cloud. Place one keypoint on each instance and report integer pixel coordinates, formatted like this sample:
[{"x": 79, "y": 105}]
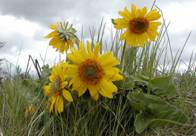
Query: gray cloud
[
  {"x": 14, "y": 42},
  {"x": 47, "y": 11},
  {"x": 36, "y": 10},
  {"x": 167, "y": 1},
  {"x": 44, "y": 11}
]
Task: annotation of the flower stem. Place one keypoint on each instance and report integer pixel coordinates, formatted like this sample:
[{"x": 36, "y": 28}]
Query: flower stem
[{"x": 123, "y": 54}]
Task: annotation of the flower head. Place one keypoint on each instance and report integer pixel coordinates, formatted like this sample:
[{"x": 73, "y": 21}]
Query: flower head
[
  {"x": 62, "y": 37},
  {"x": 55, "y": 90},
  {"x": 93, "y": 71},
  {"x": 141, "y": 25}
]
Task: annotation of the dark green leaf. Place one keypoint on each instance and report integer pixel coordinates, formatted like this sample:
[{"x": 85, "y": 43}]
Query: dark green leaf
[
  {"x": 154, "y": 111},
  {"x": 125, "y": 84},
  {"x": 113, "y": 22},
  {"x": 163, "y": 86},
  {"x": 142, "y": 121}
]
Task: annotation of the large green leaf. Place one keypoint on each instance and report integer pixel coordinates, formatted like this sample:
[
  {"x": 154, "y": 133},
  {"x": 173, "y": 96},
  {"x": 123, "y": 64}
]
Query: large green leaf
[
  {"x": 126, "y": 84},
  {"x": 142, "y": 121},
  {"x": 153, "y": 111},
  {"x": 145, "y": 120},
  {"x": 163, "y": 86},
  {"x": 141, "y": 79}
]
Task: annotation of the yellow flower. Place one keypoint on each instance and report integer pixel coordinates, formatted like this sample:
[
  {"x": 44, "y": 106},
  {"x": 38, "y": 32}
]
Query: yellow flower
[
  {"x": 93, "y": 71},
  {"x": 141, "y": 25},
  {"x": 63, "y": 36},
  {"x": 55, "y": 90},
  {"x": 30, "y": 109}
]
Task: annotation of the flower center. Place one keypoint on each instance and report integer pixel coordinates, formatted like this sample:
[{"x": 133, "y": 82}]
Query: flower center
[
  {"x": 139, "y": 25},
  {"x": 56, "y": 93},
  {"x": 63, "y": 36},
  {"x": 90, "y": 72}
]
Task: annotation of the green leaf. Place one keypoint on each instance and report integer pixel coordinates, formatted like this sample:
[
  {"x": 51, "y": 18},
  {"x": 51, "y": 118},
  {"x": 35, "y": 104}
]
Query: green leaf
[
  {"x": 141, "y": 79},
  {"x": 135, "y": 101},
  {"x": 125, "y": 84},
  {"x": 142, "y": 121},
  {"x": 153, "y": 111},
  {"x": 163, "y": 86},
  {"x": 113, "y": 22}
]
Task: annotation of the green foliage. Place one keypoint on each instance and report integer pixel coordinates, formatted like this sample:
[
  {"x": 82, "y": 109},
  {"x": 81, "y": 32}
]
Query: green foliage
[
  {"x": 149, "y": 99},
  {"x": 152, "y": 110},
  {"x": 163, "y": 86}
]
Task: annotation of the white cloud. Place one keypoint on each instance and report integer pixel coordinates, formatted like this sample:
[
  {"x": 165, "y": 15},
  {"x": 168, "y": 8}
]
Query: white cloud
[
  {"x": 21, "y": 41},
  {"x": 181, "y": 15},
  {"x": 21, "y": 26}
]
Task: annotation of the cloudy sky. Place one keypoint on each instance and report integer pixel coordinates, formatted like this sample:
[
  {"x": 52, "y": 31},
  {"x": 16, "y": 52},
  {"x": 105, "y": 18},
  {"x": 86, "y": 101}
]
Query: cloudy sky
[{"x": 24, "y": 23}]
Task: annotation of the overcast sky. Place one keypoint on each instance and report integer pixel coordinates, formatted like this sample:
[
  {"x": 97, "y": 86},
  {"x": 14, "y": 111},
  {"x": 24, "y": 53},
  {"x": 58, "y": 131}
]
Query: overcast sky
[{"x": 24, "y": 23}]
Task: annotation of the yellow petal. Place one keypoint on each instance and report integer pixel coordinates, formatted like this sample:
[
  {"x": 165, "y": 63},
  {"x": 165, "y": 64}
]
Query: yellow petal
[
  {"x": 47, "y": 90},
  {"x": 125, "y": 13},
  {"x": 61, "y": 47},
  {"x": 81, "y": 90},
  {"x": 130, "y": 40},
  {"x": 134, "y": 40},
  {"x": 52, "y": 34},
  {"x": 112, "y": 74},
  {"x": 71, "y": 43},
  {"x": 107, "y": 60},
  {"x": 53, "y": 26},
  {"x": 67, "y": 96},
  {"x": 63, "y": 83},
  {"x": 59, "y": 105},
  {"x": 93, "y": 92},
  {"x": 143, "y": 12},
  {"x": 96, "y": 50},
  {"x": 82, "y": 50},
  {"x": 53, "y": 41},
  {"x": 125, "y": 35},
  {"x": 89, "y": 47},
  {"x": 153, "y": 15},
  {"x": 152, "y": 35},
  {"x": 154, "y": 25},
  {"x": 121, "y": 23},
  {"x": 142, "y": 39},
  {"x": 133, "y": 10},
  {"x": 72, "y": 69},
  {"x": 107, "y": 88},
  {"x": 52, "y": 102},
  {"x": 81, "y": 47},
  {"x": 79, "y": 87},
  {"x": 75, "y": 57}
]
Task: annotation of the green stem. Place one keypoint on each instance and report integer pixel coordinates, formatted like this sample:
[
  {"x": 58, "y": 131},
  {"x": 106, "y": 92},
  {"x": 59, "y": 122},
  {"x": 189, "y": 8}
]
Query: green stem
[{"x": 123, "y": 54}]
